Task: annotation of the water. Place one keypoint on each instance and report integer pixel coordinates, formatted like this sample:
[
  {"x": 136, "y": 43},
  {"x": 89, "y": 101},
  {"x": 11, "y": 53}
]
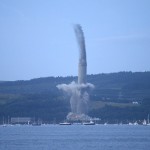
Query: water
[{"x": 75, "y": 137}]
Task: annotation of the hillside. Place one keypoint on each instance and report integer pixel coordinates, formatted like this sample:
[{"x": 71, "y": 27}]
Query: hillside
[{"x": 111, "y": 99}]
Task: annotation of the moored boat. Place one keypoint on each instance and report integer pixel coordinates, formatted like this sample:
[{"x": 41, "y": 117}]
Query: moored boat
[
  {"x": 65, "y": 123},
  {"x": 89, "y": 123},
  {"x": 144, "y": 122}
]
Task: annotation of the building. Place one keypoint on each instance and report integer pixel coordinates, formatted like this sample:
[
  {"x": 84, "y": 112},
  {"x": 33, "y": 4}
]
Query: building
[{"x": 21, "y": 120}]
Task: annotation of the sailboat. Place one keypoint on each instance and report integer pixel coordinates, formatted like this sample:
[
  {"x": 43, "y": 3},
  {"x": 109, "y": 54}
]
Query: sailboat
[
  {"x": 144, "y": 122},
  {"x": 148, "y": 120},
  {"x": 4, "y": 125}
]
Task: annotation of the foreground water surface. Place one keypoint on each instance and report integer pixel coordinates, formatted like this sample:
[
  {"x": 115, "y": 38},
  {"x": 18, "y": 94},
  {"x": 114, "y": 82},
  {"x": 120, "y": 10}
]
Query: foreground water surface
[{"x": 75, "y": 137}]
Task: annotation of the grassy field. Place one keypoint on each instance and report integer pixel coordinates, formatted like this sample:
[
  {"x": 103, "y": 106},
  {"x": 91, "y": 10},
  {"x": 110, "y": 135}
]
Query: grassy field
[
  {"x": 8, "y": 98},
  {"x": 101, "y": 104}
]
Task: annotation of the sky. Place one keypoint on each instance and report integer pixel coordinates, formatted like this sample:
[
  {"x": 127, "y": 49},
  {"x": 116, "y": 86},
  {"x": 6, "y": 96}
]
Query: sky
[{"x": 37, "y": 37}]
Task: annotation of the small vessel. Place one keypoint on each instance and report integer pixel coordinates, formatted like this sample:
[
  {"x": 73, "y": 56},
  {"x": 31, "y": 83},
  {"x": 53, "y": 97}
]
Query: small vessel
[
  {"x": 130, "y": 123},
  {"x": 135, "y": 123},
  {"x": 89, "y": 123},
  {"x": 36, "y": 124},
  {"x": 144, "y": 123},
  {"x": 65, "y": 123},
  {"x": 4, "y": 125},
  {"x": 148, "y": 120}
]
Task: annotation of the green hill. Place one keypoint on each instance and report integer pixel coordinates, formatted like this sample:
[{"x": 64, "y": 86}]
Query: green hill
[{"x": 110, "y": 100}]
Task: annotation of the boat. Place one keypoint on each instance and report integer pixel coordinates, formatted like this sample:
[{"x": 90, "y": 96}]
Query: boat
[
  {"x": 89, "y": 123},
  {"x": 4, "y": 125},
  {"x": 135, "y": 123},
  {"x": 130, "y": 123},
  {"x": 36, "y": 124},
  {"x": 148, "y": 120},
  {"x": 65, "y": 123},
  {"x": 144, "y": 123}
]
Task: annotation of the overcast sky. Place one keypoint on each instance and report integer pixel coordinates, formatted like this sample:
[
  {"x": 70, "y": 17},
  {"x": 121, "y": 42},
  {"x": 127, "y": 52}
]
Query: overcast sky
[{"x": 37, "y": 37}]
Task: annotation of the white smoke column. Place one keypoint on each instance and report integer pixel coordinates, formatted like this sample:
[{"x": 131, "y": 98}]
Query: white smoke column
[
  {"x": 82, "y": 67},
  {"x": 78, "y": 92},
  {"x": 79, "y": 96}
]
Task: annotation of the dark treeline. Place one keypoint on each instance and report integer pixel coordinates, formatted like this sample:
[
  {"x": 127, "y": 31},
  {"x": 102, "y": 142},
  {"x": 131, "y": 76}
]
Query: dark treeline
[{"x": 40, "y": 98}]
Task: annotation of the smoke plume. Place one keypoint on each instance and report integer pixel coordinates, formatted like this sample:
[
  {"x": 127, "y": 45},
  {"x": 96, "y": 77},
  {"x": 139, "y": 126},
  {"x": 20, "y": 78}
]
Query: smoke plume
[
  {"x": 79, "y": 97},
  {"x": 78, "y": 92}
]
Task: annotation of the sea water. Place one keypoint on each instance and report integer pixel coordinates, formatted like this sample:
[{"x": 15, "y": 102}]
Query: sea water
[{"x": 75, "y": 137}]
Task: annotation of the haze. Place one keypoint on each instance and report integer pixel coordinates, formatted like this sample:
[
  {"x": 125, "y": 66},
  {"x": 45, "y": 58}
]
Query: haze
[{"x": 37, "y": 37}]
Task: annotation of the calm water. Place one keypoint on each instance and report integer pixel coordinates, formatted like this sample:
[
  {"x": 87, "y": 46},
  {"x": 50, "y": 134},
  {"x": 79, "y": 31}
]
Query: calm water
[{"x": 75, "y": 137}]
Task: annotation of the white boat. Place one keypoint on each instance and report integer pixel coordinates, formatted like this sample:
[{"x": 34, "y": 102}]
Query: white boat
[
  {"x": 4, "y": 125},
  {"x": 130, "y": 123},
  {"x": 144, "y": 122},
  {"x": 65, "y": 123},
  {"x": 135, "y": 123},
  {"x": 148, "y": 120},
  {"x": 89, "y": 123}
]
